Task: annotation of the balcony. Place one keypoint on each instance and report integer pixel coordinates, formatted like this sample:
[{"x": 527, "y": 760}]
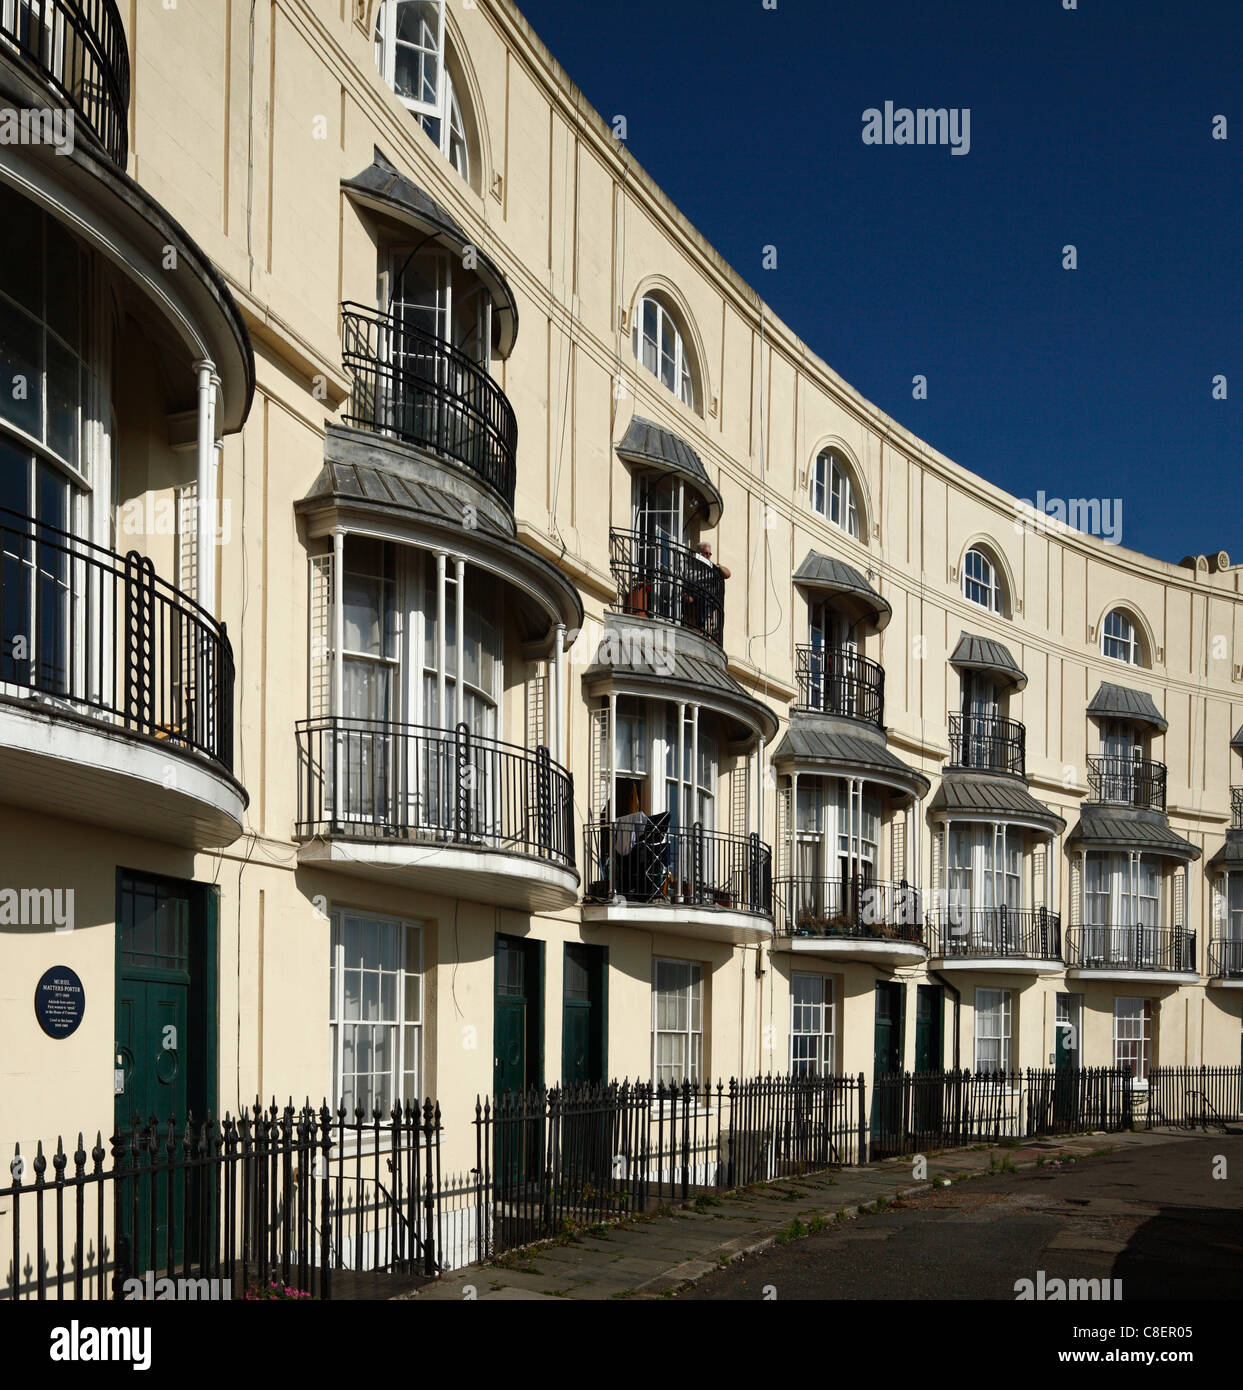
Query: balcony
[
  {"x": 851, "y": 919},
  {"x": 1133, "y": 953},
  {"x": 988, "y": 743},
  {"x": 75, "y": 48},
  {"x": 1136, "y": 782},
  {"x": 837, "y": 680},
  {"x": 116, "y": 692},
  {"x": 658, "y": 578},
  {"x": 1236, "y": 808},
  {"x": 1022, "y": 940},
  {"x": 693, "y": 882},
  {"x": 440, "y": 811},
  {"x": 1225, "y": 961},
  {"x": 412, "y": 386}
]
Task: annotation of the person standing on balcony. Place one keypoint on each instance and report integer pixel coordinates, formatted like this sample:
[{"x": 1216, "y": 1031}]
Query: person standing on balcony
[{"x": 700, "y": 609}]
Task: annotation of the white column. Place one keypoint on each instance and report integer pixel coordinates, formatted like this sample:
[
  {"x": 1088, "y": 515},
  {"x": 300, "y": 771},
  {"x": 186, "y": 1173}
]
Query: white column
[
  {"x": 758, "y": 825},
  {"x": 613, "y": 756},
  {"x": 338, "y": 623},
  {"x": 694, "y": 763},
  {"x": 679, "y": 764},
  {"x": 792, "y": 826},
  {"x": 441, "y": 620},
  {"x": 459, "y": 684},
  {"x": 205, "y": 546},
  {"x": 558, "y": 677}
]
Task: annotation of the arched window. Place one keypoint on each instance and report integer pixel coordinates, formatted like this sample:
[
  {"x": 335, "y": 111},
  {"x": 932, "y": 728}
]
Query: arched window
[
  {"x": 1120, "y": 639},
  {"x": 659, "y": 345},
  {"x": 411, "y": 54},
  {"x": 833, "y": 493},
  {"x": 980, "y": 581}
]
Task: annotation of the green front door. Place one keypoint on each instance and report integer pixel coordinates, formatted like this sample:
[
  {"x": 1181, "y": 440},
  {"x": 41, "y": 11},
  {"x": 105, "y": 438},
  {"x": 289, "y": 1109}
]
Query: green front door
[
  {"x": 887, "y": 1063},
  {"x": 165, "y": 1058},
  {"x": 929, "y": 1013},
  {"x": 517, "y": 1021},
  {"x": 1069, "y": 1022},
  {"x": 582, "y": 1015}
]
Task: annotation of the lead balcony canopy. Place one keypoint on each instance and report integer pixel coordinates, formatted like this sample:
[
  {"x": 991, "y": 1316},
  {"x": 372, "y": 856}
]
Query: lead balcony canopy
[
  {"x": 825, "y": 574},
  {"x": 380, "y": 188},
  {"x": 975, "y": 653},
  {"x": 649, "y": 445},
  {"x": 824, "y": 745},
  {"x": 1126, "y": 828},
  {"x": 969, "y": 796},
  {"x": 1118, "y": 702}
]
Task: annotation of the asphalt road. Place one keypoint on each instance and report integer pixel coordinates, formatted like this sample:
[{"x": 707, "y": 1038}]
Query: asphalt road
[{"x": 1155, "y": 1218}]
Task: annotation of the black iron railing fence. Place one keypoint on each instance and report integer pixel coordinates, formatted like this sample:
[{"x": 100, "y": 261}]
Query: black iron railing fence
[
  {"x": 849, "y": 907},
  {"x": 1236, "y": 808},
  {"x": 1118, "y": 781},
  {"x": 371, "y": 779},
  {"x": 639, "y": 859},
  {"x": 277, "y": 1194},
  {"x": 913, "y": 1112},
  {"x": 988, "y": 743},
  {"x": 1132, "y": 948},
  {"x": 995, "y": 932},
  {"x": 104, "y": 636},
  {"x": 422, "y": 390},
  {"x": 837, "y": 680},
  {"x": 658, "y": 578},
  {"x": 1194, "y": 1096},
  {"x": 548, "y": 1159},
  {"x": 1225, "y": 958},
  {"x": 77, "y": 48}
]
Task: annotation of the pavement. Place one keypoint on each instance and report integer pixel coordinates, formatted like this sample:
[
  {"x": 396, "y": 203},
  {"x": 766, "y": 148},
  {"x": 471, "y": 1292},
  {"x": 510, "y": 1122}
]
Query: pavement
[{"x": 671, "y": 1253}]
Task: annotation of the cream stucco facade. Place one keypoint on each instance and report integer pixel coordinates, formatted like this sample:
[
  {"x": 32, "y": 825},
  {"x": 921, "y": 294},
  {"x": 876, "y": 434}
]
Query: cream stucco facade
[{"x": 417, "y": 350}]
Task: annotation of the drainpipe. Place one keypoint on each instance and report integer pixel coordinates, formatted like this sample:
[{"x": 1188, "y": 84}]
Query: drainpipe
[
  {"x": 205, "y": 556},
  {"x": 441, "y": 612},
  {"x": 558, "y": 675},
  {"x": 459, "y": 685}
]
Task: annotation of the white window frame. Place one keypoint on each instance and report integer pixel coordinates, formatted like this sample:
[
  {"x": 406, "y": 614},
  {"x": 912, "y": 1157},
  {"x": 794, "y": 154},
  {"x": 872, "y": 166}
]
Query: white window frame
[
  {"x": 690, "y": 1037},
  {"x": 1114, "y": 900},
  {"x": 1121, "y": 645},
  {"x": 981, "y": 582},
  {"x": 409, "y": 942},
  {"x": 1137, "y": 1039},
  {"x": 386, "y": 57},
  {"x": 996, "y": 1005},
  {"x": 833, "y": 493},
  {"x": 668, "y": 341},
  {"x": 820, "y": 1056}
]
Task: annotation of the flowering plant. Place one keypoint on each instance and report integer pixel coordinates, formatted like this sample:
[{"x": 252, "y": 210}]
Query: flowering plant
[{"x": 275, "y": 1290}]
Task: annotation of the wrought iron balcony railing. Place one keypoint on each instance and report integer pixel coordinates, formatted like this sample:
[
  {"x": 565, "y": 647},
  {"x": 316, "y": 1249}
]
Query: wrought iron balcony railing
[
  {"x": 639, "y": 859},
  {"x": 77, "y": 49},
  {"x": 1119, "y": 781},
  {"x": 102, "y": 636},
  {"x": 1225, "y": 957},
  {"x": 658, "y": 578},
  {"x": 369, "y": 779},
  {"x": 849, "y": 907},
  {"x": 988, "y": 743},
  {"x": 413, "y": 386},
  {"x": 1132, "y": 948},
  {"x": 1236, "y": 808},
  {"x": 995, "y": 933},
  {"x": 837, "y": 680}
]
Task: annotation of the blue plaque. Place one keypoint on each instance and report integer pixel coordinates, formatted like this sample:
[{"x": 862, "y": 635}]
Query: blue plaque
[{"x": 60, "y": 1001}]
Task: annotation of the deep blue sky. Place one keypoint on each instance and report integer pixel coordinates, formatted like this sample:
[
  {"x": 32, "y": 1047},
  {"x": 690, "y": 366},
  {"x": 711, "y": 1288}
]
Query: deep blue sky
[{"x": 1089, "y": 127}]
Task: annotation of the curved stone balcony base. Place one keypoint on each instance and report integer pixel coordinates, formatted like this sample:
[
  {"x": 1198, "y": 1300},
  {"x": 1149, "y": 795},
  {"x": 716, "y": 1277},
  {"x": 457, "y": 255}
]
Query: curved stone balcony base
[
  {"x": 1000, "y": 965},
  {"x": 63, "y": 764},
  {"x": 872, "y": 950},
  {"x": 702, "y": 923},
  {"x": 1133, "y": 975},
  {"x": 1226, "y": 981},
  {"x": 481, "y": 875}
]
